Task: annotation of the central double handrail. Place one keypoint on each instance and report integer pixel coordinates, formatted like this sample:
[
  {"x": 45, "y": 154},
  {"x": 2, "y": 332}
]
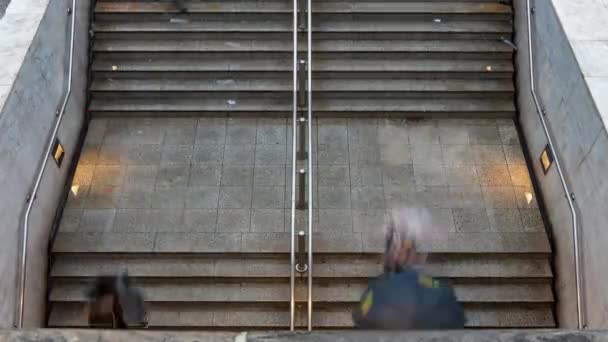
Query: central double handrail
[{"x": 308, "y": 119}]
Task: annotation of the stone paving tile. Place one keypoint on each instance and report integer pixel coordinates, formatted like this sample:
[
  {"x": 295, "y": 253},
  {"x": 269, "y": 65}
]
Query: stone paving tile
[
  {"x": 97, "y": 220},
  {"x": 424, "y": 132},
  {"x": 136, "y": 199},
  {"x": 369, "y": 220},
  {"x": 395, "y": 154},
  {"x": 505, "y": 220},
  {"x": 177, "y": 154},
  {"x": 70, "y": 220},
  {"x": 172, "y": 175},
  {"x": 147, "y": 154},
  {"x": 334, "y": 221},
  {"x": 489, "y": 154},
  {"x": 401, "y": 175},
  {"x": 461, "y": 175},
  {"x": 364, "y": 155},
  {"x": 499, "y": 197},
  {"x": 520, "y": 175},
  {"x": 235, "y": 197},
  {"x": 234, "y": 220},
  {"x": 426, "y": 154},
  {"x": 270, "y": 154},
  {"x": 532, "y": 220},
  {"x": 330, "y": 154},
  {"x": 494, "y": 175},
  {"x": 202, "y": 197},
  {"x": 237, "y": 175},
  {"x": 514, "y": 154},
  {"x": 453, "y": 134},
  {"x": 428, "y": 174},
  {"x": 89, "y": 154},
  {"x": 239, "y": 154},
  {"x": 484, "y": 135},
  {"x": 112, "y": 175},
  {"x": 365, "y": 175},
  {"x": 140, "y": 177},
  {"x": 180, "y": 134},
  {"x": 267, "y": 220},
  {"x": 333, "y": 175},
  {"x": 241, "y": 131},
  {"x": 268, "y": 197},
  {"x": 200, "y": 220},
  {"x": 368, "y": 197},
  {"x": 271, "y": 132},
  {"x": 509, "y": 135},
  {"x": 526, "y": 198},
  {"x": 205, "y": 175},
  {"x": 103, "y": 197},
  {"x": 211, "y": 131},
  {"x": 169, "y": 198},
  {"x": 334, "y": 197},
  {"x": 457, "y": 154},
  {"x": 270, "y": 175},
  {"x": 209, "y": 154},
  {"x": 471, "y": 220}
]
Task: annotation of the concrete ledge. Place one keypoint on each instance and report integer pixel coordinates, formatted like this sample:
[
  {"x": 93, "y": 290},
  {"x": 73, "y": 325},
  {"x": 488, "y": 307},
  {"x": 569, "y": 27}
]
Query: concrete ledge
[{"x": 351, "y": 336}]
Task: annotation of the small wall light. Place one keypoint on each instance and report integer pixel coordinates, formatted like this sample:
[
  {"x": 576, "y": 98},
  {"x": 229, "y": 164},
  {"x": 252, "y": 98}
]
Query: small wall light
[
  {"x": 546, "y": 159},
  {"x": 58, "y": 152}
]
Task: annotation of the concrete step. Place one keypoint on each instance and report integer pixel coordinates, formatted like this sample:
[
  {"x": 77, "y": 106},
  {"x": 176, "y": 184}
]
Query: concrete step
[
  {"x": 154, "y": 43},
  {"x": 181, "y": 290},
  {"x": 118, "y": 65},
  {"x": 489, "y": 9},
  {"x": 460, "y": 243},
  {"x": 472, "y": 107},
  {"x": 223, "y": 316},
  {"x": 282, "y": 23},
  {"x": 325, "y": 266},
  {"x": 465, "y": 87}
]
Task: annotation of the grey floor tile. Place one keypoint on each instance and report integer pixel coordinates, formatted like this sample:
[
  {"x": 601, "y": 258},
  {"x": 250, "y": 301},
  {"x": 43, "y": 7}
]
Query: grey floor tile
[
  {"x": 241, "y": 131},
  {"x": 180, "y": 134},
  {"x": 401, "y": 175},
  {"x": 467, "y": 196},
  {"x": 110, "y": 175},
  {"x": 427, "y": 154},
  {"x": 269, "y": 197},
  {"x": 130, "y": 220},
  {"x": 395, "y": 154},
  {"x": 471, "y": 220},
  {"x": 368, "y": 197},
  {"x": 211, "y": 131},
  {"x": 205, "y": 175},
  {"x": 235, "y": 197},
  {"x": 461, "y": 175},
  {"x": 137, "y": 199},
  {"x": 112, "y": 153},
  {"x": 458, "y": 154},
  {"x": 103, "y": 197},
  {"x": 333, "y": 197},
  {"x": 208, "y": 154},
  {"x": 508, "y": 134},
  {"x": 169, "y": 198},
  {"x": 234, "y": 220},
  {"x": 269, "y": 175},
  {"x": 514, "y": 154},
  {"x": 70, "y": 220},
  {"x": 393, "y": 131},
  {"x": 333, "y": 175},
  {"x": 239, "y": 154},
  {"x": 366, "y": 175},
  {"x": 335, "y": 221},
  {"x": 369, "y": 220},
  {"x": 149, "y": 154},
  {"x": 424, "y": 132},
  {"x": 430, "y": 175},
  {"x": 484, "y": 135},
  {"x": 494, "y": 175},
  {"x": 505, "y": 220},
  {"x": 520, "y": 175},
  {"x": 364, "y": 155},
  {"x": 97, "y": 220},
  {"x": 142, "y": 132},
  {"x": 453, "y": 134},
  {"x": 177, "y": 154},
  {"x": 267, "y": 220},
  {"x": 202, "y": 197},
  {"x": 172, "y": 175},
  {"x": 140, "y": 177},
  {"x": 532, "y": 220},
  {"x": 269, "y": 133},
  {"x": 363, "y": 131},
  {"x": 96, "y": 131},
  {"x": 333, "y": 134},
  {"x": 333, "y": 154},
  {"x": 270, "y": 154},
  {"x": 237, "y": 175},
  {"x": 499, "y": 197},
  {"x": 164, "y": 220},
  {"x": 77, "y": 196},
  {"x": 489, "y": 154},
  {"x": 89, "y": 154},
  {"x": 200, "y": 220},
  {"x": 442, "y": 221}
]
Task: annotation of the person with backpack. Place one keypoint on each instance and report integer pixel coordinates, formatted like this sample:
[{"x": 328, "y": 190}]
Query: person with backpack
[{"x": 403, "y": 297}]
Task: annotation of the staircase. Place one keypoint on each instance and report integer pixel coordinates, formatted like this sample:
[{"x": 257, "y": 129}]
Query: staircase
[{"x": 185, "y": 175}]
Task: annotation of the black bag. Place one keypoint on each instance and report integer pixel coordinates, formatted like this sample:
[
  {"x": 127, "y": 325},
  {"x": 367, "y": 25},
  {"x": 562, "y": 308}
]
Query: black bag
[{"x": 408, "y": 300}]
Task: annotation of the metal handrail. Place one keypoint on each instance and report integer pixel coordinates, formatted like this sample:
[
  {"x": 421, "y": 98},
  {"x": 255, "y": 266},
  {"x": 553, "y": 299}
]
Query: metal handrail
[
  {"x": 310, "y": 169},
  {"x": 292, "y": 274},
  {"x": 566, "y": 188},
  {"x": 31, "y": 198}
]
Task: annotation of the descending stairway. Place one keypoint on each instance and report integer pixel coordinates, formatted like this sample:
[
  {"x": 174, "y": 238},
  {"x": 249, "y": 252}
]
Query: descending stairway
[{"x": 443, "y": 59}]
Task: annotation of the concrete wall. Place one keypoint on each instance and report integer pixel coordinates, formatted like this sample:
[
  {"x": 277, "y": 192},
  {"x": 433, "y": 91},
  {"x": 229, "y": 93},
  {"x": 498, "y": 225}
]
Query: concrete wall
[
  {"x": 575, "y": 115},
  {"x": 34, "y": 50},
  {"x": 3, "y": 5}
]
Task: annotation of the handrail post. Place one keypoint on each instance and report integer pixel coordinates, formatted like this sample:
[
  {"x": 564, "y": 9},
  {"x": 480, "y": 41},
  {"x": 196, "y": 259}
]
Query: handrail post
[
  {"x": 579, "y": 304},
  {"x": 310, "y": 169},
  {"x": 292, "y": 256},
  {"x": 31, "y": 198},
  {"x": 302, "y": 154}
]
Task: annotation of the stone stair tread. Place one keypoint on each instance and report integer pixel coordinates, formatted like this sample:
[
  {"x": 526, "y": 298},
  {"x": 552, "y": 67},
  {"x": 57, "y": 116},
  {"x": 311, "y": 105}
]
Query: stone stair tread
[
  {"x": 284, "y": 64},
  {"x": 279, "y": 243},
  {"x": 269, "y": 292},
  {"x": 284, "y": 105},
  {"x": 193, "y": 266},
  {"x": 266, "y": 25},
  {"x": 194, "y": 315},
  {"x": 286, "y": 45},
  {"x": 284, "y": 84},
  {"x": 444, "y": 7}
]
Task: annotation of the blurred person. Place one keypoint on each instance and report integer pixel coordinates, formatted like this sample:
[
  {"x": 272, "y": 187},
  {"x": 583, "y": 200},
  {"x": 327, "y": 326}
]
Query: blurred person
[
  {"x": 114, "y": 303},
  {"x": 403, "y": 297},
  {"x": 181, "y": 6}
]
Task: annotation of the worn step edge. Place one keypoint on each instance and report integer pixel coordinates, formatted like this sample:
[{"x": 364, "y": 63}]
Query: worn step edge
[{"x": 279, "y": 243}]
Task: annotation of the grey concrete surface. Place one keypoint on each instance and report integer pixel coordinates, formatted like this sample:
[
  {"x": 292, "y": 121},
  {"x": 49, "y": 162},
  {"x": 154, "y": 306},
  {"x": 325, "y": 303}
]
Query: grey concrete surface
[
  {"x": 34, "y": 59},
  {"x": 470, "y": 174},
  {"x": 571, "y": 85},
  {"x": 353, "y": 336}
]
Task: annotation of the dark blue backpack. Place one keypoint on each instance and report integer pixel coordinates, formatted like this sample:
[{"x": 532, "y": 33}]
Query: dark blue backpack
[{"x": 408, "y": 300}]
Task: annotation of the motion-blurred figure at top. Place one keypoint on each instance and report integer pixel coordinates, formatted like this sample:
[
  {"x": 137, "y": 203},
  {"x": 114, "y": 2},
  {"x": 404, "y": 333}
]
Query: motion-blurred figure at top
[
  {"x": 113, "y": 303},
  {"x": 403, "y": 297}
]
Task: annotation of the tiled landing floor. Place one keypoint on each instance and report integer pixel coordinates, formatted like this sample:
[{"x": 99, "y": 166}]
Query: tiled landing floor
[{"x": 233, "y": 175}]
